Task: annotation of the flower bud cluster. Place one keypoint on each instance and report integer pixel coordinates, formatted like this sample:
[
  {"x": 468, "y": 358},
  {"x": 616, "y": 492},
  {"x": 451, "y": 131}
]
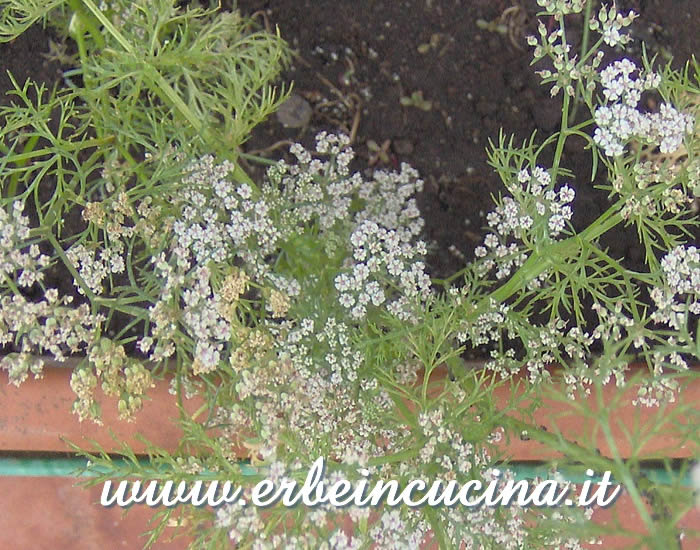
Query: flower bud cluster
[
  {"x": 561, "y": 7},
  {"x": 554, "y": 46},
  {"x": 610, "y": 22},
  {"x": 567, "y": 71}
]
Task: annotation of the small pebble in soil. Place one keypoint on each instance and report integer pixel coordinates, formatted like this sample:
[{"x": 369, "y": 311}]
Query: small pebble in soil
[{"x": 295, "y": 112}]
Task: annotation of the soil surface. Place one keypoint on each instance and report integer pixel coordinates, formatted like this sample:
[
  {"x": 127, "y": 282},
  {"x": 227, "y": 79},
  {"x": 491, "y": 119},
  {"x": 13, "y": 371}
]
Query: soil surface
[
  {"x": 427, "y": 82},
  {"x": 430, "y": 82}
]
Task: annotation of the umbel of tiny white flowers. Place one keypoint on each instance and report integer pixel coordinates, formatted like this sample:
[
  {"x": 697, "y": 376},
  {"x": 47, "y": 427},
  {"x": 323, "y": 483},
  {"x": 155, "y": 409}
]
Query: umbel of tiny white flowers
[
  {"x": 225, "y": 222},
  {"x": 536, "y": 210},
  {"x": 619, "y": 119},
  {"x": 47, "y": 325}
]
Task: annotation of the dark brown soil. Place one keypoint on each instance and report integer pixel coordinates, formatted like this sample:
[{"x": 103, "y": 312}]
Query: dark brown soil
[
  {"x": 26, "y": 58},
  {"x": 357, "y": 59},
  {"x": 364, "y": 56}
]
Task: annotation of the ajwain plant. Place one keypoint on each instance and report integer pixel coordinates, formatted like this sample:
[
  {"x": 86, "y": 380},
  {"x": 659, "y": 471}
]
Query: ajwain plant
[{"x": 300, "y": 307}]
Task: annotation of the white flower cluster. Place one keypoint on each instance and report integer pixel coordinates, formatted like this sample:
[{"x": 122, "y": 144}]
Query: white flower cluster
[
  {"x": 221, "y": 219},
  {"x": 609, "y": 23},
  {"x": 224, "y": 222},
  {"x": 94, "y": 267},
  {"x": 385, "y": 252},
  {"x": 335, "y": 354},
  {"x": 43, "y": 326},
  {"x": 543, "y": 344},
  {"x": 235, "y": 220},
  {"x": 316, "y": 362},
  {"x": 202, "y": 318},
  {"x": 660, "y": 389},
  {"x": 163, "y": 314},
  {"x": 390, "y": 201},
  {"x": 243, "y": 522},
  {"x": 383, "y": 231},
  {"x": 487, "y": 327},
  {"x": 472, "y": 527},
  {"x": 325, "y": 191},
  {"x": 444, "y": 444},
  {"x": 14, "y": 254},
  {"x": 188, "y": 300},
  {"x": 619, "y": 84},
  {"x": 341, "y": 358},
  {"x": 218, "y": 221},
  {"x": 391, "y": 529},
  {"x": 681, "y": 293},
  {"x": 668, "y": 127},
  {"x": 35, "y": 327},
  {"x": 535, "y": 210},
  {"x": 335, "y": 144},
  {"x": 380, "y": 254},
  {"x": 619, "y": 119},
  {"x": 321, "y": 189}
]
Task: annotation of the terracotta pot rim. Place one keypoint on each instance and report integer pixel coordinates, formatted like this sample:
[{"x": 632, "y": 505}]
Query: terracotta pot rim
[{"x": 37, "y": 415}]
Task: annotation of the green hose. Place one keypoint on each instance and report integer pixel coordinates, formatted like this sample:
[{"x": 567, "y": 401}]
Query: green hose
[{"x": 68, "y": 467}]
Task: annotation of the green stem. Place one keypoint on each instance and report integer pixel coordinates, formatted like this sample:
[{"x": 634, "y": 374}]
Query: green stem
[
  {"x": 14, "y": 179},
  {"x": 563, "y": 135},
  {"x": 117, "y": 305},
  {"x": 76, "y": 276},
  {"x": 623, "y": 475},
  {"x": 540, "y": 260},
  {"x": 257, "y": 159},
  {"x": 401, "y": 456},
  {"x": 88, "y": 22},
  {"x": 9, "y": 282},
  {"x": 65, "y": 146},
  {"x": 106, "y": 23},
  {"x": 583, "y": 51}
]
